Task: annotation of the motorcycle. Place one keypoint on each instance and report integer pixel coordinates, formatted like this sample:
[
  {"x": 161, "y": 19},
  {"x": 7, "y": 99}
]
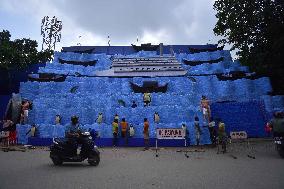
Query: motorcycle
[
  {"x": 279, "y": 142},
  {"x": 65, "y": 150}
]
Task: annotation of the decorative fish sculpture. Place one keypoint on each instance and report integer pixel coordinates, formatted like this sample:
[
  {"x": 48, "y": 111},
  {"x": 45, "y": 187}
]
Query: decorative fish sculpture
[
  {"x": 74, "y": 89},
  {"x": 191, "y": 79},
  {"x": 77, "y": 74},
  {"x": 121, "y": 102}
]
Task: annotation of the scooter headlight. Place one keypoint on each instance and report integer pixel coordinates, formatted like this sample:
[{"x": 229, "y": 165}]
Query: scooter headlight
[{"x": 86, "y": 133}]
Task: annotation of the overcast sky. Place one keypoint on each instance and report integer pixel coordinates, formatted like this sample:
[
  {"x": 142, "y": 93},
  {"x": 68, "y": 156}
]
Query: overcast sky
[{"x": 167, "y": 21}]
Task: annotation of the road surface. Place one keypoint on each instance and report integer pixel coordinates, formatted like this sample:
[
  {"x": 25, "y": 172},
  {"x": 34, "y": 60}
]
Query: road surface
[{"x": 133, "y": 168}]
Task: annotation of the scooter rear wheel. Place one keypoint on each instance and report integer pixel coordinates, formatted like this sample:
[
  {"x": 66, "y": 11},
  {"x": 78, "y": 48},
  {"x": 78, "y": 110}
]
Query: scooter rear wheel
[
  {"x": 94, "y": 159},
  {"x": 280, "y": 151}
]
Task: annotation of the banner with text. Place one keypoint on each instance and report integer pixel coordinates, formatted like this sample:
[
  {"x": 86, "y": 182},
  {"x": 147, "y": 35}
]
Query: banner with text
[
  {"x": 239, "y": 135},
  {"x": 170, "y": 133}
]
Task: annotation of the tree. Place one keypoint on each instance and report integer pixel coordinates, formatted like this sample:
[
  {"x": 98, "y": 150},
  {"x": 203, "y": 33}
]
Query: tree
[
  {"x": 20, "y": 53},
  {"x": 255, "y": 29},
  {"x": 17, "y": 55}
]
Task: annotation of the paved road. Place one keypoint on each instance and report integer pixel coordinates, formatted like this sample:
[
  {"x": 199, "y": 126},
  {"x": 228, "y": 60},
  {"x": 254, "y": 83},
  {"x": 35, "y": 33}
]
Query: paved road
[{"x": 134, "y": 168}]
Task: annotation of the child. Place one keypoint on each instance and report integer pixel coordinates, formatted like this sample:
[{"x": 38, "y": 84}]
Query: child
[
  {"x": 222, "y": 136},
  {"x": 197, "y": 130},
  {"x": 183, "y": 126}
]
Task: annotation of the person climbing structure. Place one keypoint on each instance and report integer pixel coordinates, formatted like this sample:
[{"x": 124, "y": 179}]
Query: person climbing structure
[
  {"x": 205, "y": 108},
  {"x": 147, "y": 98},
  {"x": 156, "y": 117}
]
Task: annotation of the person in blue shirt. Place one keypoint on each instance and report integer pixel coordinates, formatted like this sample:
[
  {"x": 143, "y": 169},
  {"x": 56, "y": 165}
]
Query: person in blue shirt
[
  {"x": 73, "y": 128},
  {"x": 72, "y": 134}
]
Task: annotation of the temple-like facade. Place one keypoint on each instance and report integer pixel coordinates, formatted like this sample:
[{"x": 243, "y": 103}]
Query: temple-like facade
[{"x": 105, "y": 80}]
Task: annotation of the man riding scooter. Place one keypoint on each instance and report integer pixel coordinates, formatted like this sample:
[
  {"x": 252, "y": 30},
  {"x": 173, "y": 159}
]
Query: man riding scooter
[
  {"x": 72, "y": 134},
  {"x": 66, "y": 150}
]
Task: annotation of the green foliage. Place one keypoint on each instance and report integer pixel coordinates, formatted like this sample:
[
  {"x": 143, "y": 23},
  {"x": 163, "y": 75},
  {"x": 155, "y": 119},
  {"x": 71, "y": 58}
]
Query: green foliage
[
  {"x": 255, "y": 29},
  {"x": 20, "y": 53}
]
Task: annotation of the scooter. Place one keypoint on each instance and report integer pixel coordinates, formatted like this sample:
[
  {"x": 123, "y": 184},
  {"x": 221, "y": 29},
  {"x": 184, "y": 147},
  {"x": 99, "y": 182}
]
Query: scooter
[
  {"x": 65, "y": 150},
  {"x": 279, "y": 144}
]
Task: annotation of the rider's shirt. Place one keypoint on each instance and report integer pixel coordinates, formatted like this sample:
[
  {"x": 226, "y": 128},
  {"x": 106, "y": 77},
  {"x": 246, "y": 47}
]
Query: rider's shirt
[{"x": 71, "y": 128}]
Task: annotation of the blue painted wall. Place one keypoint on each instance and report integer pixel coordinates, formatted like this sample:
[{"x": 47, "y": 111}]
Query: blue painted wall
[{"x": 242, "y": 116}]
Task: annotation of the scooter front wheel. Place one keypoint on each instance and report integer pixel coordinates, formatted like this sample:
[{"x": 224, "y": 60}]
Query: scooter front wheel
[
  {"x": 94, "y": 159},
  {"x": 56, "y": 160}
]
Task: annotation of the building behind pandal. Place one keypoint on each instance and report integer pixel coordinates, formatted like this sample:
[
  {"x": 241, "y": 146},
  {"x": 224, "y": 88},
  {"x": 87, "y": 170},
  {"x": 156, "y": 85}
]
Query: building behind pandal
[{"x": 86, "y": 81}]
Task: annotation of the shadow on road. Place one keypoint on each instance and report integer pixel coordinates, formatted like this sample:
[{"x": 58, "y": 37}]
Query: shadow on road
[{"x": 65, "y": 166}]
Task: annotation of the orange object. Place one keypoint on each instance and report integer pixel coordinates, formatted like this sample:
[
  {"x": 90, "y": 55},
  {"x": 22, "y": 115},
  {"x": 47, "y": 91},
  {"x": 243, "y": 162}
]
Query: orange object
[
  {"x": 146, "y": 127},
  {"x": 123, "y": 125}
]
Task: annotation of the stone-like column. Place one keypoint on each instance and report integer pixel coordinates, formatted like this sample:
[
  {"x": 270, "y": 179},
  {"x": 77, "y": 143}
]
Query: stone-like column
[{"x": 161, "y": 49}]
